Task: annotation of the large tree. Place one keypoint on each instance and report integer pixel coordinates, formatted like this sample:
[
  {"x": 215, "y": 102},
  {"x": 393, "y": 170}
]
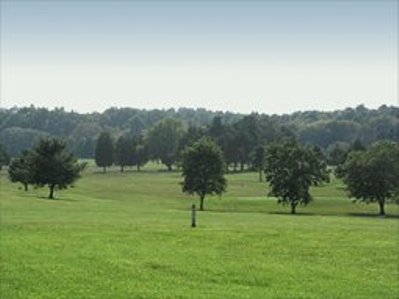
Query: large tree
[
  {"x": 104, "y": 154},
  {"x": 55, "y": 166},
  {"x": 163, "y": 141},
  {"x": 291, "y": 169},
  {"x": 203, "y": 169},
  {"x": 373, "y": 175},
  {"x": 20, "y": 169}
]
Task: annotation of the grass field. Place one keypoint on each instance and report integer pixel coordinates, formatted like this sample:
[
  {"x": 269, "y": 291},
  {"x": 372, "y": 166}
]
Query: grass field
[{"x": 129, "y": 236}]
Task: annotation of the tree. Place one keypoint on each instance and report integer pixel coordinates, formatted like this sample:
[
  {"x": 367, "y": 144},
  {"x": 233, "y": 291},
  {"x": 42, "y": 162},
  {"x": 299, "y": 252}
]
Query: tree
[
  {"x": 258, "y": 160},
  {"x": 20, "y": 169},
  {"x": 338, "y": 153},
  {"x": 373, "y": 175},
  {"x": 164, "y": 139},
  {"x": 53, "y": 165},
  {"x": 124, "y": 152},
  {"x": 140, "y": 152},
  {"x": 203, "y": 169},
  {"x": 4, "y": 158},
  {"x": 357, "y": 145},
  {"x": 290, "y": 170},
  {"x": 104, "y": 154}
]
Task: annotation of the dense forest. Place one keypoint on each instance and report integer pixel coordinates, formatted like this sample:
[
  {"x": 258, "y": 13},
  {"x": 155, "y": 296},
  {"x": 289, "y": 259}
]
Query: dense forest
[{"x": 237, "y": 134}]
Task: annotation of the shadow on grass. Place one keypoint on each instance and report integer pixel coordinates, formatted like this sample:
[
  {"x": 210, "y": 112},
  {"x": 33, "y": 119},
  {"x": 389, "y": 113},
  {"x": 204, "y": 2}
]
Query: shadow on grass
[
  {"x": 373, "y": 215},
  {"x": 55, "y": 199},
  {"x": 301, "y": 214}
]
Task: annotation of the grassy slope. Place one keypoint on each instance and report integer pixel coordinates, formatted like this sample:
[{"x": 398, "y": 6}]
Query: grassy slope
[{"x": 128, "y": 236}]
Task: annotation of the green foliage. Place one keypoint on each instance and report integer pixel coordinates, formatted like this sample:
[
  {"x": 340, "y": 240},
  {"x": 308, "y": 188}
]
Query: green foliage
[
  {"x": 291, "y": 169},
  {"x": 53, "y": 165},
  {"x": 140, "y": 152},
  {"x": 163, "y": 141},
  {"x": 258, "y": 159},
  {"x": 237, "y": 134},
  {"x": 4, "y": 158},
  {"x": 338, "y": 153},
  {"x": 104, "y": 155},
  {"x": 21, "y": 169},
  {"x": 124, "y": 152},
  {"x": 203, "y": 169},
  {"x": 15, "y": 139},
  {"x": 373, "y": 175}
]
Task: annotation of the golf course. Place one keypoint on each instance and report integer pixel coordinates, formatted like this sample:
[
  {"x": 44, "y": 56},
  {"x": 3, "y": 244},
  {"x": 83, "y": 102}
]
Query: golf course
[{"x": 128, "y": 235}]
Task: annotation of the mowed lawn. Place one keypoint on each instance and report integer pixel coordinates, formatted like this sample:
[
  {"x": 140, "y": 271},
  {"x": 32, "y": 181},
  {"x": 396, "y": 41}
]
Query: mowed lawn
[{"x": 128, "y": 236}]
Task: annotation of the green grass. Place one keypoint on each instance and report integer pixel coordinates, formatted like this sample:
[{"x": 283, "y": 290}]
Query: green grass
[{"x": 128, "y": 236}]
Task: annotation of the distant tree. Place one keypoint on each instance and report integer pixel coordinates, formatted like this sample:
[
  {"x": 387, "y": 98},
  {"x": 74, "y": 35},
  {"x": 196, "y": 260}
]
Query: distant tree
[
  {"x": 104, "y": 154},
  {"x": 53, "y": 165},
  {"x": 337, "y": 155},
  {"x": 258, "y": 160},
  {"x": 15, "y": 139},
  {"x": 20, "y": 169},
  {"x": 290, "y": 170},
  {"x": 247, "y": 134},
  {"x": 163, "y": 141},
  {"x": 320, "y": 164},
  {"x": 4, "y": 158},
  {"x": 373, "y": 175},
  {"x": 140, "y": 152},
  {"x": 203, "y": 169},
  {"x": 217, "y": 130},
  {"x": 124, "y": 152},
  {"x": 192, "y": 135},
  {"x": 357, "y": 145}
]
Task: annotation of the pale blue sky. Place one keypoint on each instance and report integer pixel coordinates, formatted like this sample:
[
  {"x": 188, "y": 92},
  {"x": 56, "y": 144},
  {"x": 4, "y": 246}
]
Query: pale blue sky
[{"x": 268, "y": 56}]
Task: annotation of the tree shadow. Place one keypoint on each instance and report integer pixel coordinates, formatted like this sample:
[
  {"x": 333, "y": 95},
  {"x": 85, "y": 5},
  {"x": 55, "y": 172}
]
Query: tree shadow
[
  {"x": 303, "y": 214},
  {"x": 370, "y": 215},
  {"x": 55, "y": 199}
]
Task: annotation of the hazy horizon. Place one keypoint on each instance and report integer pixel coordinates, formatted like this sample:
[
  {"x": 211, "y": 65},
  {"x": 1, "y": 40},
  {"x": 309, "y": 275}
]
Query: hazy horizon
[
  {"x": 195, "y": 108},
  {"x": 239, "y": 56}
]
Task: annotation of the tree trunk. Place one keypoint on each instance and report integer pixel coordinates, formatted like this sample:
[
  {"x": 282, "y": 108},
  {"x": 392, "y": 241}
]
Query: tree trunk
[
  {"x": 381, "y": 203},
  {"x": 122, "y": 168},
  {"x": 104, "y": 169},
  {"x": 202, "y": 202},
  {"x": 26, "y": 186},
  {"x": 51, "y": 195},
  {"x": 260, "y": 175},
  {"x": 241, "y": 166},
  {"x": 293, "y": 207},
  {"x": 169, "y": 167},
  {"x": 138, "y": 167},
  {"x": 235, "y": 166}
]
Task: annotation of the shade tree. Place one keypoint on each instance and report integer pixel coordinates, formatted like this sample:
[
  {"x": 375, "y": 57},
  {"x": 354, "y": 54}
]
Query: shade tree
[
  {"x": 203, "y": 169},
  {"x": 373, "y": 175},
  {"x": 290, "y": 171}
]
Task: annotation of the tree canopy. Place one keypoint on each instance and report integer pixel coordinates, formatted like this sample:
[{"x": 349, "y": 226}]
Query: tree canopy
[
  {"x": 21, "y": 169},
  {"x": 203, "y": 169},
  {"x": 373, "y": 175},
  {"x": 291, "y": 169},
  {"x": 104, "y": 155},
  {"x": 53, "y": 165},
  {"x": 164, "y": 139}
]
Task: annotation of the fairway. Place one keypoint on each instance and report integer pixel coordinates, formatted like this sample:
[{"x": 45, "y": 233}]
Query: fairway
[{"x": 128, "y": 236}]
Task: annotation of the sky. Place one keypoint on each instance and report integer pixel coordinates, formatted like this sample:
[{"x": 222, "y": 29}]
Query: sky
[{"x": 241, "y": 56}]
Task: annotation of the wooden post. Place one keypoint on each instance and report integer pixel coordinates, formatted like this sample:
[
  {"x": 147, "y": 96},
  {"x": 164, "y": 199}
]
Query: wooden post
[{"x": 193, "y": 218}]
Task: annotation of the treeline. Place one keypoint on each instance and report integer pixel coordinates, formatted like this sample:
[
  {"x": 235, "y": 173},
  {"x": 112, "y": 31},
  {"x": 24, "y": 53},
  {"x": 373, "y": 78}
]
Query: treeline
[{"x": 237, "y": 134}]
